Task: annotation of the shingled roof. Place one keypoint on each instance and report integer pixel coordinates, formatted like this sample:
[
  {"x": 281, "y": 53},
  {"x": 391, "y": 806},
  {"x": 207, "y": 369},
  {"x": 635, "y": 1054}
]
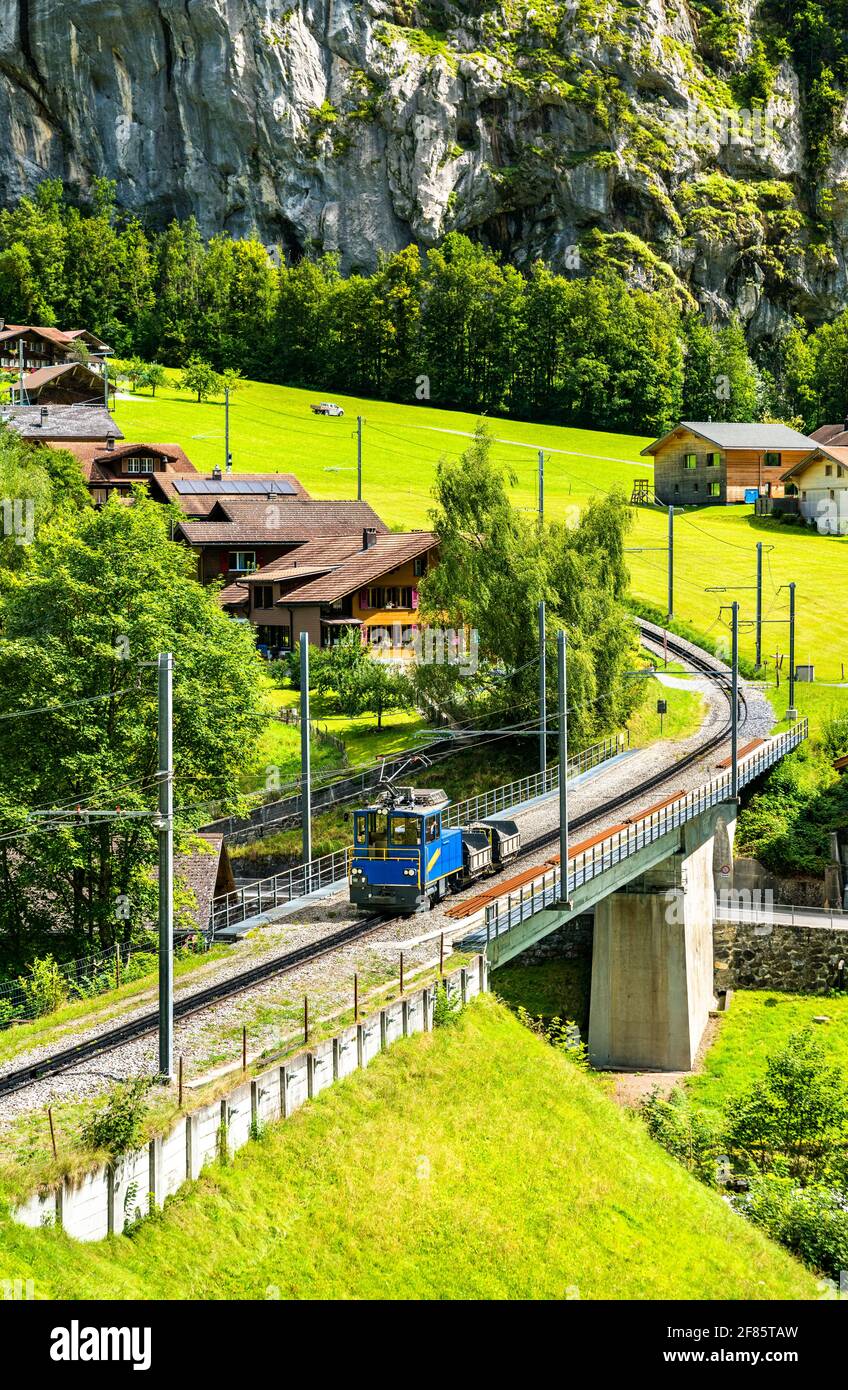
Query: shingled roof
[
  {"x": 263, "y": 522},
  {"x": 61, "y": 423},
  {"x": 324, "y": 583}
]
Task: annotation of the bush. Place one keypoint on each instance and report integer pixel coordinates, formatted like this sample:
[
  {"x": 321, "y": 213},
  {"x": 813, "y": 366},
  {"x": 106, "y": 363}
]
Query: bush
[
  {"x": 562, "y": 1034},
  {"x": 683, "y": 1132},
  {"x": 116, "y": 1127},
  {"x": 793, "y": 1120},
  {"x": 44, "y": 987},
  {"x": 812, "y": 1222},
  {"x": 446, "y": 1007}
]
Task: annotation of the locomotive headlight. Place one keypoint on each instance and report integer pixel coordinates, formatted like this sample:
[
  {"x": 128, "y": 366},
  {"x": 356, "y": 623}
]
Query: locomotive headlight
[{"x": 409, "y": 873}]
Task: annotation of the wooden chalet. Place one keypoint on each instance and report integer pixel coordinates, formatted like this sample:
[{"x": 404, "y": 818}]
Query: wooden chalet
[{"x": 701, "y": 464}]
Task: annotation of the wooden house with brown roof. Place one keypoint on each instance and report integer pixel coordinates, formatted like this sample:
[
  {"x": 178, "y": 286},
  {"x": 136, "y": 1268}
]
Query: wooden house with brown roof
[
  {"x": 242, "y": 534},
  {"x": 67, "y": 383},
  {"x": 37, "y": 346},
  {"x": 368, "y": 583}
]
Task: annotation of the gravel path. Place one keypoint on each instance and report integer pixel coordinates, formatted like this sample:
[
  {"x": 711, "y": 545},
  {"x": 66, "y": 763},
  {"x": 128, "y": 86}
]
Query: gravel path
[{"x": 270, "y": 1010}]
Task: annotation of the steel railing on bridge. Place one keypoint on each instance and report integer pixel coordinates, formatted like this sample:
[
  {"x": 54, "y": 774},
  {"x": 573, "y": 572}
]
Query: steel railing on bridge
[
  {"x": 508, "y": 912},
  {"x": 276, "y": 890}
]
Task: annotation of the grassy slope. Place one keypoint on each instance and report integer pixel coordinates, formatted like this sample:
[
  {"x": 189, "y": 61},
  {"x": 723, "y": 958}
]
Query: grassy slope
[
  {"x": 758, "y": 1024},
  {"x": 473, "y": 1162},
  {"x": 273, "y": 428}
]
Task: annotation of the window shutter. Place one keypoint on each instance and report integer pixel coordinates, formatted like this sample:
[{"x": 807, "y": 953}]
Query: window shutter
[
  {"x": 414, "y": 598},
  {"x": 363, "y": 598}
]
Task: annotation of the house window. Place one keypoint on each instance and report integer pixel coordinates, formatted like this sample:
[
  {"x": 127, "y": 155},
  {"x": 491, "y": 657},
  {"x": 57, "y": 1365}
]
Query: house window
[
  {"x": 140, "y": 465},
  {"x": 828, "y": 470},
  {"x": 713, "y": 460},
  {"x": 263, "y": 595},
  {"x": 772, "y": 460},
  {"x": 676, "y": 487},
  {"x": 715, "y": 489},
  {"x": 690, "y": 460},
  {"x": 242, "y": 561},
  {"x": 419, "y": 566},
  {"x": 390, "y": 596}
]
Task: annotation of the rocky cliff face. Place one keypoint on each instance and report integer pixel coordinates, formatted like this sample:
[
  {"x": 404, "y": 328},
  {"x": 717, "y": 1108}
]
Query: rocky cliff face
[{"x": 584, "y": 131}]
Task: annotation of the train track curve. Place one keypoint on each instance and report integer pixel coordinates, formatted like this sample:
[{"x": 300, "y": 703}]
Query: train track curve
[{"x": 69, "y": 1057}]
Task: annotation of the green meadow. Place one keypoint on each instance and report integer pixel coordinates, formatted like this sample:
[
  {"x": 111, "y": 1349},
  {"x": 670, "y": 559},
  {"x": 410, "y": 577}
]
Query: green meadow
[
  {"x": 272, "y": 428},
  {"x": 469, "y": 1162}
]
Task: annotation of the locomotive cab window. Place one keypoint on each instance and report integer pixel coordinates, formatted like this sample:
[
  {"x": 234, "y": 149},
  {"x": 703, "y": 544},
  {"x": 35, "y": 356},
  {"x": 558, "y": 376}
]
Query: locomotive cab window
[
  {"x": 378, "y": 829},
  {"x": 406, "y": 830},
  {"x": 432, "y": 830},
  {"x": 359, "y": 828}
]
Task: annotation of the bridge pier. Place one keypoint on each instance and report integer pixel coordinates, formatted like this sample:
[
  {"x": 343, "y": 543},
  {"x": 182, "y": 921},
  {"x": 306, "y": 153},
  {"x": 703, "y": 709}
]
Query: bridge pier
[{"x": 652, "y": 962}]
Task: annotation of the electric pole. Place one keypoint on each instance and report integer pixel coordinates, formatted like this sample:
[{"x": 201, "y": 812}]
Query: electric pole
[
  {"x": 670, "y": 563},
  {"x": 165, "y": 828},
  {"x": 228, "y": 458},
  {"x": 734, "y": 717},
  {"x": 759, "y": 604},
  {"x": 543, "y": 699},
  {"x": 562, "y": 700},
  {"x": 359, "y": 423},
  {"x": 791, "y": 713},
  {"x": 305, "y": 774},
  {"x": 541, "y": 486}
]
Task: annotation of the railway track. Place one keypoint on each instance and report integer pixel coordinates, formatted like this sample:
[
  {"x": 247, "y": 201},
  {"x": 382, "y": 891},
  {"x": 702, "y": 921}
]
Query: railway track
[
  {"x": 184, "y": 1008},
  {"x": 70, "y": 1057}
]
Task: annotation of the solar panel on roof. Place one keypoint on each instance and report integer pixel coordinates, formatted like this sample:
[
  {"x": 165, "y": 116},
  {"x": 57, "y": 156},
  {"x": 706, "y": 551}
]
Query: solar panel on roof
[{"x": 232, "y": 487}]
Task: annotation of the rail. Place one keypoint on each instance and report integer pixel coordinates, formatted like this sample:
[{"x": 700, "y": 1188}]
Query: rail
[
  {"x": 536, "y": 784},
  {"x": 501, "y": 916}
]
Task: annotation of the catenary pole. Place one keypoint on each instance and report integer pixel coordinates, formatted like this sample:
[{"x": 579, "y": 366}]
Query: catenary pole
[
  {"x": 734, "y": 715},
  {"x": 543, "y": 694},
  {"x": 670, "y": 563},
  {"x": 562, "y": 700},
  {"x": 305, "y": 772},
  {"x": 792, "y": 713},
  {"x": 165, "y": 667},
  {"x": 359, "y": 424},
  {"x": 759, "y": 604}
]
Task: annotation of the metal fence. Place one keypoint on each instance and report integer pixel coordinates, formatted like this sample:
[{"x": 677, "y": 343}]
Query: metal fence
[
  {"x": 775, "y": 914},
  {"x": 41, "y": 989},
  {"x": 278, "y": 889},
  {"x": 514, "y": 908},
  {"x": 536, "y": 784}
]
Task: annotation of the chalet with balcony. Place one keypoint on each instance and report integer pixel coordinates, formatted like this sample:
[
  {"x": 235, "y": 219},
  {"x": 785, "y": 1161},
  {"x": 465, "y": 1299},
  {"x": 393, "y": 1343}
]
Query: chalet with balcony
[
  {"x": 702, "y": 464},
  {"x": 36, "y": 347},
  {"x": 242, "y": 534},
  {"x": 367, "y": 583}
]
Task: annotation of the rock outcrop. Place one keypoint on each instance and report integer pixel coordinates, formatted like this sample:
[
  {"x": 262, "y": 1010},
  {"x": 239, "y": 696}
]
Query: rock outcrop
[{"x": 581, "y": 132}]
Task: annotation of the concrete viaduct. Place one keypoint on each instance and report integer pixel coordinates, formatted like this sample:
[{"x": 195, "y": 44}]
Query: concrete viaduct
[{"x": 652, "y": 886}]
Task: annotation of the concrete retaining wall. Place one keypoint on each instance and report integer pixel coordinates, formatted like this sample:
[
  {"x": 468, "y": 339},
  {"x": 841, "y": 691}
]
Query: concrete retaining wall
[
  {"x": 792, "y": 959},
  {"x": 111, "y": 1198}
]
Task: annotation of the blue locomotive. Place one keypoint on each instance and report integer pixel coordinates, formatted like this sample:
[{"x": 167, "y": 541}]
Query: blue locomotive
[{"x": 405, "y": 858}]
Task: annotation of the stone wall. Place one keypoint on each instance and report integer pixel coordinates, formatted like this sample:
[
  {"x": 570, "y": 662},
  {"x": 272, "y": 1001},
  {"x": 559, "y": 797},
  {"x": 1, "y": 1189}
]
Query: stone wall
[
  {"x": 793, "y": 959},
  {"x": 570, "y": 942}
]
